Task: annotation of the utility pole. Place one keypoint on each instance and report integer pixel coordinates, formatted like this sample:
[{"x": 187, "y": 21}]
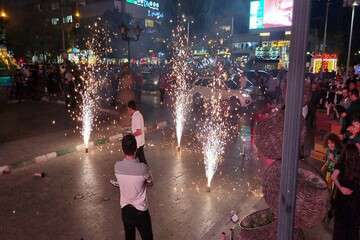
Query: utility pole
[
  {"x": 294, "y": 100},
  {"x": 326, "y": 26},
  {"x": 62, "y": 25},
  {"x": 354, "y": 5},
  {"x": 325, "y": 36}
]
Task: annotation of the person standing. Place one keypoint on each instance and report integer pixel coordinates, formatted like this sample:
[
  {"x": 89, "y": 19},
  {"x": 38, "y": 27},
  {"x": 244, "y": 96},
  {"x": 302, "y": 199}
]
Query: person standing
[
  {"x": 137, "y": 128},
  {"x": 354, "y": 107},
  {"x": 133, "y": 178},
  {"x": 126, "y": 85},
  {"x": 345, "y": 99},
  {"x": 347, "y": 201},
  {"x": 313, "y": 104}
]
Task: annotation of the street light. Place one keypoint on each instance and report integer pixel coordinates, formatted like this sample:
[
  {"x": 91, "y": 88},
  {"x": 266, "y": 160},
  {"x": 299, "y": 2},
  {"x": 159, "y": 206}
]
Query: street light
[
  {"x": 128, "y": 35},
  {"x": 3, "y": 14},
  {"x": 3, "y": 20}
]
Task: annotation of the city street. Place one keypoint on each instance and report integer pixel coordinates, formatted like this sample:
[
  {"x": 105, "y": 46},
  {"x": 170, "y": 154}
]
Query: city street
[
  {"x": 75, "y": 200},
  {"x": 247, "y": 113}
]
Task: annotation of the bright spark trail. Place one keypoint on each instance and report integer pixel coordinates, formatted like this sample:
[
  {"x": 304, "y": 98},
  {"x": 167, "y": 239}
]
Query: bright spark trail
[
  {"x": 214, "y": 132},
  {"x": 94, "y": 74},
  {"x": 87, "y": 118},
  {"x": 182, "y": 73}
]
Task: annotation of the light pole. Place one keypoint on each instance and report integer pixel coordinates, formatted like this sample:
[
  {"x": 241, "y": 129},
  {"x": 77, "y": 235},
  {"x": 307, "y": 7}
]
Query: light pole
[
  {"x": 326, "y": 26},
  {"x": 62, "y": 26},
  {"x": 3, "y": 19},
  {"x": 325, "y": 36},
  {"x": 291, "y": 136},
  {"x": 129, "y": 35},
  {"x": 354, "y": 5},
  {"x": 188, "y": 21}
]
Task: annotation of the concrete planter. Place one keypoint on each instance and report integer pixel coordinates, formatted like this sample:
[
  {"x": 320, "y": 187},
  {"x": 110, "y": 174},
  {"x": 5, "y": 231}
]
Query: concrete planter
[
  {"x": 260, "y": 225},
  {"x": 311, "y": 198}
]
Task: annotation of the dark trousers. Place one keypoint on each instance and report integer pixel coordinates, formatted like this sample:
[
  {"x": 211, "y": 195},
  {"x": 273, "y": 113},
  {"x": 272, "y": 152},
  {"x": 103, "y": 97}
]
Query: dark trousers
[
  {"x": 135, "y": 219},
  {"x": 162, "y": 95},
  {"x": 346, "y": 224},
  {"x": 140, "y": 154}
]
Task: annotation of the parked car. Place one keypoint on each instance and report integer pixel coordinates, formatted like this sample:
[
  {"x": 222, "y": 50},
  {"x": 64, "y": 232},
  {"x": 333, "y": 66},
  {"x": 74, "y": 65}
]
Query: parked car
[{"x": 230, "y": 91}]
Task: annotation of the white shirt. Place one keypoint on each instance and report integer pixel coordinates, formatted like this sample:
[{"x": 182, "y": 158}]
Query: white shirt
[
  {"x": 137, "y": 122},
  {"x": 132, "y": 177}
]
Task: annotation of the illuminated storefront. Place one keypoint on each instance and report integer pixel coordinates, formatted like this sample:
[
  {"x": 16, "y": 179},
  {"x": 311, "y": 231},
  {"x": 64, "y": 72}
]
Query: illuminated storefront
[
  {"x": 328, "y": 61},
  {"x": 274, "y": 51}
]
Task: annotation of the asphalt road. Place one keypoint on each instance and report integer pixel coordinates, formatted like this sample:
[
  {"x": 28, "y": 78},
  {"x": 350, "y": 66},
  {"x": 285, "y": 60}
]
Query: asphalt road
[{"x": 76, "y": 201}]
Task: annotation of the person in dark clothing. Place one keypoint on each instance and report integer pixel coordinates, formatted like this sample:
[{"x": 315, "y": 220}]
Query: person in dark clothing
[
  {"x": 341, "y": 112},
  {"x": 316, "y": 96},
  {"x": 346, "y": 177},
  {"x": 354, "y": 107},
  {"x": 19, "y": 85}
]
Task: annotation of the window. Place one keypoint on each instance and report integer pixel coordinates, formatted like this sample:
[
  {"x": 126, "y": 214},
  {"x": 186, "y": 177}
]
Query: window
[
  {"x": 149, "y": 23},
  {"x": 68, "y": 19},
  {"x": 82, "y": 2},
  {"x": 55, "y": 5},
  {"x": 55, "y": 21}
]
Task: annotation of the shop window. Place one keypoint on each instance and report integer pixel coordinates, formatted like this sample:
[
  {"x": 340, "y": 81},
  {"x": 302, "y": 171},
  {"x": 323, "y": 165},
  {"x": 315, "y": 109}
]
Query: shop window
[
  {"x": 149, "y": 23},
  {"x": 55, "y": 21},
  {"x": 68, "y": 19}
]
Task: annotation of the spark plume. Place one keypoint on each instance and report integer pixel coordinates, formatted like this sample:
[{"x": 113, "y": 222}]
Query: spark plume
[
  {"x": 182, "y": 73},
  {"x": 93, "y": 74},
  {"x": 87, "y": 118},
  {"x": 215, "y": 132}
]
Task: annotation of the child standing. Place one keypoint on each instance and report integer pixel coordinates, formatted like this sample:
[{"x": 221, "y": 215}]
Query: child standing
[{"x": 333, "y": 153}]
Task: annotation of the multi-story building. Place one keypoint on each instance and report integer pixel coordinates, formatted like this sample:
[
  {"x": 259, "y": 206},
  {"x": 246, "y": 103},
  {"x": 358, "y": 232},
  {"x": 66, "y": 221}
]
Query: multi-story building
[
  {"x": 64, "y": 20},
  {"x": 148, "y": 15}
]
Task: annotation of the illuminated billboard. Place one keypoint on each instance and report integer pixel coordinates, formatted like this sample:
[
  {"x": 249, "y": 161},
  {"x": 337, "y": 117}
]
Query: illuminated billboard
[
  {"x": 145, "y": 4},
  {"x": 270, "y": 14}
]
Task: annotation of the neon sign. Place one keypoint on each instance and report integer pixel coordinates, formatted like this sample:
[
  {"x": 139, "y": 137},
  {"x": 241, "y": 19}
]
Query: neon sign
[
  {"x": 155, "y": 14},
  {"x": 145, "y": 4}
]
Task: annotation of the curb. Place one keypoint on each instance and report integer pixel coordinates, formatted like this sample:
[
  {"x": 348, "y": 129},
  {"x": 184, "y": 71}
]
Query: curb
[{"x": 62, "y": 152}]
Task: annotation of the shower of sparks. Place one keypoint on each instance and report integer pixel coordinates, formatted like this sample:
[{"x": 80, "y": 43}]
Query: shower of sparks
[
  {"x": 182, "y": 73},
  {"x": 93, "y": 74},
  {"x": 87, "y": 117},
  {"x": 215, "y": 132}
]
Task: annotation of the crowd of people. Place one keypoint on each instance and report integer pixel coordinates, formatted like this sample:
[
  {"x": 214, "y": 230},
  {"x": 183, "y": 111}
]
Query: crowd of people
[
  {"x": 62, "y": 82},
  {"x": 338, "y": 96}
]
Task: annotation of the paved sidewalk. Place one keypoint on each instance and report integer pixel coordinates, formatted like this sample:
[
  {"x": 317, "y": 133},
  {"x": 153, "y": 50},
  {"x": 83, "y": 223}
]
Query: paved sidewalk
[{"x": 30, "y": 129}]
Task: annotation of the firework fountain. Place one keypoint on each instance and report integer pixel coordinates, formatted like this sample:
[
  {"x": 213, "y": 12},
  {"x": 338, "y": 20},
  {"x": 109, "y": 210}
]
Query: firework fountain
[
  {"x": 87, "y": 111},
  {"x": 94, "y": 74},
  {"x": 182, "y": 73},
  {"x": 214, "y": 132}
]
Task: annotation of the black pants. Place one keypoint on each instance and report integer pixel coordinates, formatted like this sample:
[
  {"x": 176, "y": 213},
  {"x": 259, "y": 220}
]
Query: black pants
[
  {"x": 140, "y": 154},
  {"x": 132, "y": 219},
  {"x": 162, "y": 95},
  {"x": 347, "y": 222}
]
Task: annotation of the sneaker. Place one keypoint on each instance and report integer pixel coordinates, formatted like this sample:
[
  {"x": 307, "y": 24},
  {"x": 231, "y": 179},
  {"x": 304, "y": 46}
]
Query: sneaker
[{"x": 114, "y": 183}]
